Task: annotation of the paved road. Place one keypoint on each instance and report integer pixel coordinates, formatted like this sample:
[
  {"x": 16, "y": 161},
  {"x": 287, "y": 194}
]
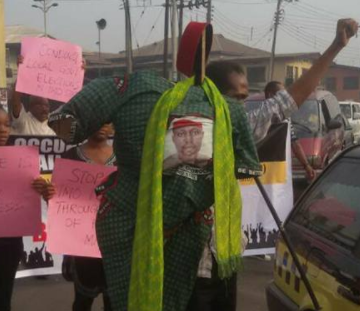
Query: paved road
[{"x": 54, "y": 294}]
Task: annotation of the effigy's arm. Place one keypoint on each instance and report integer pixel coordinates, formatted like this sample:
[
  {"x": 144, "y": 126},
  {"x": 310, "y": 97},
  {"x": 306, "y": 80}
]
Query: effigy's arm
[{"x": 87, "y": 111}]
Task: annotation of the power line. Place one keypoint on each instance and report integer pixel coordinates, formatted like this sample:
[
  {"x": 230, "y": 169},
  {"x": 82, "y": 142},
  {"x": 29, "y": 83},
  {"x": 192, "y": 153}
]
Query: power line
[
  {"x": 310, "y": 20},
  {"x": 304, "y": 38},
  {"x": 231, "y": 26},
  {"x": 348, "y": 50},
  {"x": 316, "y": 14},
  {"x": 243, "y": 3},
  {"x": 134, "y": 34},
  {"x": 229, "y": 29},
  {"x": 262, "y": 38},
  {"x": 227, "y": 19},
  {"x": 321, "y": 10},
  {"x": 86, "y": 0},
  {"x": 141, "y": 16},
  {"x": 153, "y": 26}
]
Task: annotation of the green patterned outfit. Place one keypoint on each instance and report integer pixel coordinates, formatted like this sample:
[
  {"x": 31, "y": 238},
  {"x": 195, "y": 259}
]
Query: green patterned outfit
[{"x": 128, "y": 104}]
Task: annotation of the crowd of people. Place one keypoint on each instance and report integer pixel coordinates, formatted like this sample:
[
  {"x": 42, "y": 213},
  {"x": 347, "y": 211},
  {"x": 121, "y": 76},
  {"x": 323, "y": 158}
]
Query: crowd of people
[{"x": 160, "y": 222}]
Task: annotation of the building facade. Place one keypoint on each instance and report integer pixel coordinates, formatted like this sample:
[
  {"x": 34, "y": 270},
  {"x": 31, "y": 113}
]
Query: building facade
[{"x": 343, "y": 82}]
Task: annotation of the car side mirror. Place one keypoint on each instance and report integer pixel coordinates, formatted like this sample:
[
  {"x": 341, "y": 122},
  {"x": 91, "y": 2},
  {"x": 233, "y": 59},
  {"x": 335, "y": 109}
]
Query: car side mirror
[
  {"x": 334, "y": 124},
  {"x": 356, "y": 115}
]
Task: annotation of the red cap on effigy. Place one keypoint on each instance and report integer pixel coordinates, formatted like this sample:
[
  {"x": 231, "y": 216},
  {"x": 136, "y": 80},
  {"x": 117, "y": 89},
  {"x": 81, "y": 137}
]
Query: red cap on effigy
[
  {"x": 190, "y": 41},
  {"x": 186, "y": 122}
]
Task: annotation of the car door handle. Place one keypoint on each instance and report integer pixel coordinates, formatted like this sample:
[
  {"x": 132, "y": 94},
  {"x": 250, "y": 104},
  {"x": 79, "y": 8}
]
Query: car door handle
[{"x": 349, "y": 295}]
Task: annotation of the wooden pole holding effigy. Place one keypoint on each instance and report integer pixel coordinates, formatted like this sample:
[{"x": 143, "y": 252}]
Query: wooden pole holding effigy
[
  {"x": 2, "y": 47},
  {"x": 200, "y": 65}
]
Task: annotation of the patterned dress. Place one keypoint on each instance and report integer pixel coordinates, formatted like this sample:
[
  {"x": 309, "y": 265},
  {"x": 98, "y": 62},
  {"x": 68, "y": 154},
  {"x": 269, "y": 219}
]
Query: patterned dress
[{"x": 187, "y": 197}]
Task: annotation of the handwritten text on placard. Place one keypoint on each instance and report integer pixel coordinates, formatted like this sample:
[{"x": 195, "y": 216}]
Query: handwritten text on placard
[
  {"x": 50, "y": 69},
  {"x": 20, "y": 208},
  {"x": 72, "y": 212}
]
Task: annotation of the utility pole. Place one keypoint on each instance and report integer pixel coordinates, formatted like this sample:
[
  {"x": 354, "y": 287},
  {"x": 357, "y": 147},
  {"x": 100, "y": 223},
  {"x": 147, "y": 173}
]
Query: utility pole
[
  {"x": 209, "y": 12},
  {"x": 44, "y": 8},
  {"x": 174, "y": 39},
  {"x": 99, "y": 42},
  {"x": 278, "y": 18},
  {"x": 276, "y": 24},
  {"x": 129, "y": 56},
  {"x": 101, "y": 25},
  {"x": 181, "y": 19},
  {"x": 166, "y": 38},
  {"x": 3, "y": 83}
]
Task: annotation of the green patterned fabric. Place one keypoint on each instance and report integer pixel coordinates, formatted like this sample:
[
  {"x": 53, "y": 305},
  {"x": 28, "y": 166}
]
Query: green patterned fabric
[
  {"x": 129, "y": 106},
  {"x": 147, "y": 269}
]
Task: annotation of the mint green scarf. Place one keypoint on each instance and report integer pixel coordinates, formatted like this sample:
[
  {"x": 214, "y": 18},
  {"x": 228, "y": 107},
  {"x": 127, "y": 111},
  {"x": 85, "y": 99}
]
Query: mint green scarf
[{"x": 147, "y": 269}]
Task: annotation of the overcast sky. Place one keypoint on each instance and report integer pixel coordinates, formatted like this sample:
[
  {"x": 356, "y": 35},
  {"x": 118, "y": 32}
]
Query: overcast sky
[{"x": 307, "y": 26}]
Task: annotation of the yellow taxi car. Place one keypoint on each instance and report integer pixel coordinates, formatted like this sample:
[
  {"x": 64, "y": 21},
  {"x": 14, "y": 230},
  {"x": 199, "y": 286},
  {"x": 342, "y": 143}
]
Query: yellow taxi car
[{"x": 324, "y": 228}]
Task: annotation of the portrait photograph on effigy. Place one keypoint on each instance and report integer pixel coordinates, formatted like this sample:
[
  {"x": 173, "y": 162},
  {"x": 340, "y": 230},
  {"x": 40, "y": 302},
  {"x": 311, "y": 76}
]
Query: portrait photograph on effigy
[{"x": 188, "y": 141}]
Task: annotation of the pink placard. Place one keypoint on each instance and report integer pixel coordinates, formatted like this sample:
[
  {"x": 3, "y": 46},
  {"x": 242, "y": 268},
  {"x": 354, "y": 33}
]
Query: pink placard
[
  {"x": 50, "y": 69},
  {"x": 72, "y": 212},
  {"x": 20, "y": 205}
]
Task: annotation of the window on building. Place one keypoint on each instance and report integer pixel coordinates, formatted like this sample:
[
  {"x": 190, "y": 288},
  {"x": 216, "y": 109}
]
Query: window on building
[
  {"x": 289, "y": 72},
  {"x": 330, "y": 84},
  {"x": 351, "y": 83},
  {"x": 9, "y": 73},
  {"x": 256, "y": 74}
]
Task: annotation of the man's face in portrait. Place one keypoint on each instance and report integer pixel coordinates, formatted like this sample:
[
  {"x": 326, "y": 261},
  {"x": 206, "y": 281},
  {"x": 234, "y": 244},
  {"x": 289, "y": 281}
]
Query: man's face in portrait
[{"x": 187, "y": 137}]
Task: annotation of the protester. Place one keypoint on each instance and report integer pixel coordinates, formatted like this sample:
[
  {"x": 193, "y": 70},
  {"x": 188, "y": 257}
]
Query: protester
[
  {"x": 270, "y": 91},
  {"x": 10, "y": 248},
  {"x": 176, "y": 205},
  {"x": 34, "y": 121},
  {"x": 87, "y": 273},
  {"x": 210, "y": 292}
]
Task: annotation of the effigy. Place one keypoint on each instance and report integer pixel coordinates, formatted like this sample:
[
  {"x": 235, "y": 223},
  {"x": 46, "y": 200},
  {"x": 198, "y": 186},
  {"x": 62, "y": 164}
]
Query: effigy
[{"x": 180, "y": 150}]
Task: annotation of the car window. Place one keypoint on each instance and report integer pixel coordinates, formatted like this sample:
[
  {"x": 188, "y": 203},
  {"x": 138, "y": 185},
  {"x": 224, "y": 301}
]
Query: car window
[
  {"x": 356, "y": 108},
  {"x": 332, "y": 208},
  {"x": 307, "y": 117},
  {"x": 332, "y": 106},
  {"x": 325, "y": 110},
  {"x": 345, "y": 123},
  {"x": 346, "y": 110},
  {"x": 356, "y": 111}
]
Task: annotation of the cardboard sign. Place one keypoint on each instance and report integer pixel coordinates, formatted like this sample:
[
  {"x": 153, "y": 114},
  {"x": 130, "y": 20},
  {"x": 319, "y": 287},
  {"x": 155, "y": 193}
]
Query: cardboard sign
[
  {"x": 20, "y": 206},
  {"x": 72, "y": 212},
  {"x": 51, "y": 69}
]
